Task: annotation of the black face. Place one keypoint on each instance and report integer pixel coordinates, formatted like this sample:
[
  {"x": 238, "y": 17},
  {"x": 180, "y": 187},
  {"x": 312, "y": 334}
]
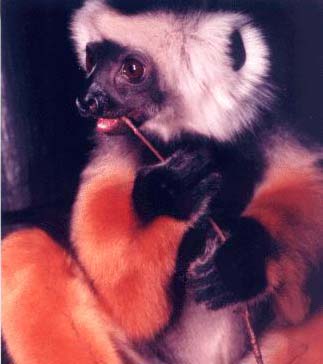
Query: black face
[{"x": 119, "y": 83}]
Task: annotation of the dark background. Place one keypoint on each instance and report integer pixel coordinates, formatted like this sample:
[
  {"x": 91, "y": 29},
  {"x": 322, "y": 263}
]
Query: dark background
[{"x": 45, "y": 143}]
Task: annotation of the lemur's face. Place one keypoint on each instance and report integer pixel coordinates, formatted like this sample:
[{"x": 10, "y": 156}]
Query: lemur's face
[
  {"x": 172, "y": 72},
  {"x": 120, "y": 82}
]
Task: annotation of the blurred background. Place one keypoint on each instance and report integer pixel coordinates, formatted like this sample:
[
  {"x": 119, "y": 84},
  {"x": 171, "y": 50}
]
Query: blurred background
[{"x": 45, "y": 143}]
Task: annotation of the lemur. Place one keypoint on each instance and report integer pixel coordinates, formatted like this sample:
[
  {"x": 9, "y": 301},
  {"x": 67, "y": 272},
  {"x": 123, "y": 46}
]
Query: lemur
[{"x": 199, "y": 85}]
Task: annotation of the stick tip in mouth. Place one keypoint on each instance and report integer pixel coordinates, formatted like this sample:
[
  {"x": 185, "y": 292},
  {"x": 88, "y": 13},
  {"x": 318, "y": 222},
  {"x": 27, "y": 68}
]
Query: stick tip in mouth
[{"x": 110, "y": 126}]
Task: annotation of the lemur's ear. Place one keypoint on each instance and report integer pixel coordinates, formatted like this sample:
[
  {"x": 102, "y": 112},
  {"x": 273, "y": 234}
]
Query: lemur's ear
[{"x": 237, "y": 50}]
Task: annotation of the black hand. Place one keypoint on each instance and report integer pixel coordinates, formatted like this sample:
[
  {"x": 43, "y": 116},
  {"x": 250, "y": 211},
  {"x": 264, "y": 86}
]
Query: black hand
[
  {"x": 176, "y": 187},
  {"x": 237, "y": 270}
]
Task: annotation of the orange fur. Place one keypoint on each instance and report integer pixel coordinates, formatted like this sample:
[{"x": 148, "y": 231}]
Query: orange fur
[
  {"x": 130, "y": 264},
  {"x": 49, "y": 315},
  {"x": 289, "y": 203}
]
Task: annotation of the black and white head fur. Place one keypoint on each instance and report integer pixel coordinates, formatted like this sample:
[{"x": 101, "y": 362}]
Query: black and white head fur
[{"x": 210, "y": 68}]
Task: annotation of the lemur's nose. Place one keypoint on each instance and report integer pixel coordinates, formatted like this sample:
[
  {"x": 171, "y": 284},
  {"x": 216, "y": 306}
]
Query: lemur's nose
[{"x": 89, "y": 106}]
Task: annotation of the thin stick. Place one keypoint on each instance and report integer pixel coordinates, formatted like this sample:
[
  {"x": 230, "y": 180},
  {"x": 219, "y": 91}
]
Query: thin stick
[
  {"x": 246, "y": 312},
  {"x": 138, "y": 134},
  {"x": 252, "y": 336}
]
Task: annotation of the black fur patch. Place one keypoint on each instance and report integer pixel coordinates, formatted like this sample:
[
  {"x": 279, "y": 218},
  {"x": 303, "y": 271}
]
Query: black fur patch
[
  {"x": 110, "y": 93},
  {"x": 237, "y": 270},
  {"x": 320, "y": 164},
  {"x": 105, "y": 49},
  {"x": 240, "y": 166},
  {"x": 238, "y": 52},
  {"x": 139, "y": 6},
  {"x": 176, "y": 187}
]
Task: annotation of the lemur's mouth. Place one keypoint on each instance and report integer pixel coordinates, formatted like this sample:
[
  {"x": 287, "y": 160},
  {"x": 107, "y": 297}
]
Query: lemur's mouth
[
  {"x": 111, "y": 126},
  {"x": 117, "y": 126}
]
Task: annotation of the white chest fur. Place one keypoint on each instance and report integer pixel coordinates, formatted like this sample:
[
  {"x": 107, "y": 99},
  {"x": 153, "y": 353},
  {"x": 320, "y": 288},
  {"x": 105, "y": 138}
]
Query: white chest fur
[{"x": 202, "y": 336}]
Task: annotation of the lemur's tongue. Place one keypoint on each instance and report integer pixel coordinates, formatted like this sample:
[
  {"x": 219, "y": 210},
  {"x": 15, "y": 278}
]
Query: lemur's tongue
[{"x": 110, "y": 126}]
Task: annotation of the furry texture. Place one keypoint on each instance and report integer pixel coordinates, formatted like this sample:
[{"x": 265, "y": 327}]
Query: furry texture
[
  {"x": 202, "y": 41},
  {"x": 289, "y": 204},
  {"x": 67, "y": 323},
  {"x": 123, "y": 290},
  {"x": 49, "y": 313},
  {"x": 121, "y": 255}
]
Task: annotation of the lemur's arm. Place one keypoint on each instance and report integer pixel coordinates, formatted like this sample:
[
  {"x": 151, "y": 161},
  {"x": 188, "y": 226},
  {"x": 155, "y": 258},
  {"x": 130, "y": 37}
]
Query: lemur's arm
[
  {"x": 177, "y": 187},
  {"x": 129, "y": 262},
  {"x": 274, "y": 243},
  {"x": 289, "y": 204}
]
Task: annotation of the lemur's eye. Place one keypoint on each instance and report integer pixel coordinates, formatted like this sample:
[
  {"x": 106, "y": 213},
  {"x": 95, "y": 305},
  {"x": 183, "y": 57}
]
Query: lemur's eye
[
  {"x": 133, "y": 70},
  {"x": 90, "y": 60}
]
